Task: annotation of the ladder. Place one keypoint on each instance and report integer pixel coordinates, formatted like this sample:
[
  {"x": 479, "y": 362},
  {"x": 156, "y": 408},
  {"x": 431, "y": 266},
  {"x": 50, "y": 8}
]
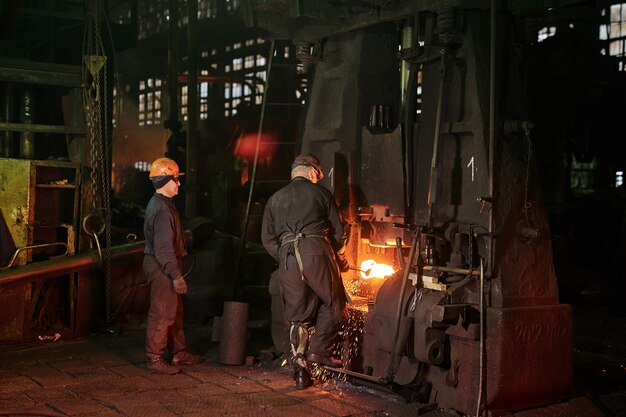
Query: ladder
[{"x": 278, "y": 173}]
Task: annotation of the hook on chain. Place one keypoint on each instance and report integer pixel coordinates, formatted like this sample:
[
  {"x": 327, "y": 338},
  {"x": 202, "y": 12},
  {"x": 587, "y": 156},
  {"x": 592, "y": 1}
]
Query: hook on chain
[{"x": 94, "y": 224}]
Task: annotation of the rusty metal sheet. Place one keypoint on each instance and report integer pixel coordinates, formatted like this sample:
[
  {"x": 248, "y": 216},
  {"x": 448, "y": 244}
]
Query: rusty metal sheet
[{"x": 529, "y": 356}]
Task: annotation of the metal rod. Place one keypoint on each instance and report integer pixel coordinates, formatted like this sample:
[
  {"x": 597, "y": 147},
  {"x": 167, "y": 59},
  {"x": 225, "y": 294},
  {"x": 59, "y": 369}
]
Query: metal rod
[
  {"x": 481, "y": 357},
  {"x": 492, "y": 146},
  {"x": 405, "y": 276},
  {"x": 454, "y": 270},
  {"x": 49, "y": 269},
  {"x": 375, "y": 379},
  {"x": 244, "y": 232},
  {"x": 42, "y": 245},
  {"x": 31, "y": 127}
]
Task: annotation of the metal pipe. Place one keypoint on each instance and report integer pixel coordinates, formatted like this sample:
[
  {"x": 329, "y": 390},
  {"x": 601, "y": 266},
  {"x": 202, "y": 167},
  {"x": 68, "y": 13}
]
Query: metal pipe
[
  {"x": 49, "y": 269},
  {"x": 492, "y": 124},
  {"x": 233, "y": 333},
  {"x": 172, "y": 64},
  {"x": 481, "y": 357},
  {"x": 192, "y": 111},
  {"x": 432, "y": 186},
  {"x": 409, "y": 133},
  {"x": 491, "y": 249}
]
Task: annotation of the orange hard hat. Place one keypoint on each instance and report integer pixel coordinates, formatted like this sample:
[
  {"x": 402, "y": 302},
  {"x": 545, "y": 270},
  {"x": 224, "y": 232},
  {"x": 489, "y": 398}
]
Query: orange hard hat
[{"x": 164, "y": 166}]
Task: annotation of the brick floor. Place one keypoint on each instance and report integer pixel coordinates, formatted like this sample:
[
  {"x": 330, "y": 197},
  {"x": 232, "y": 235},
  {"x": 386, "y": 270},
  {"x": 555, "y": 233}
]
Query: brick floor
[{"x": 105, "y": 376}]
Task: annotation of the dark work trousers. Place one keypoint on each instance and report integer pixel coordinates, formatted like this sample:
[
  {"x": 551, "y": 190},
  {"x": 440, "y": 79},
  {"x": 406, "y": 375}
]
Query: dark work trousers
[
  {"x": 313, "y": 300},
  {"x": 164, "y": 328}
]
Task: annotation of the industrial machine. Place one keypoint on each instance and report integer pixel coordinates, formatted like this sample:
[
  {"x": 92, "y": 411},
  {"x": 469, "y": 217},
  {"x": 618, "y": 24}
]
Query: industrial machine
[{"x": 418, "y": 112}]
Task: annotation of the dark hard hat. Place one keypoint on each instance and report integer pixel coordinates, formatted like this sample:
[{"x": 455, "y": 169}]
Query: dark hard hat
[{"x": 308, "y": 160}]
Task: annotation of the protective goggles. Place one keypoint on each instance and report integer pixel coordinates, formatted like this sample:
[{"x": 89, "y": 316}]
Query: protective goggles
[{"x": 160, "y": 180}]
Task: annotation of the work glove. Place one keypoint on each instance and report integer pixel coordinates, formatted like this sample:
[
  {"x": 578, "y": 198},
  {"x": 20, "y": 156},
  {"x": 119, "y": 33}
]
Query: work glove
[{"x": 180, "y": 286}]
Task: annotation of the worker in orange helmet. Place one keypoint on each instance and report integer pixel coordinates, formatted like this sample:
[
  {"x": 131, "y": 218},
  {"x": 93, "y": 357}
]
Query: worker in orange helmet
[{"x": 162, "y": 267}]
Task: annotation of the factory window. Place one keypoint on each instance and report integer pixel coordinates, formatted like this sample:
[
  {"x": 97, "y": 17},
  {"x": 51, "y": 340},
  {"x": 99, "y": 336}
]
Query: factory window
[
  {"x": 250, "y": 42},
  {"x": 619, "y": 179},
  {"x": 236, "y": 90},
  {"x": 184, "y": 97},
  {"x": 249, "y": 63},
  {"x": 237, "y": 64},
  {"x": 237, "y": 45},
  {"x": 204, "y": 100},
  {"x": 142, "y": 166},
  {"x": 614, "y": 33},
  {"x": 545, "y": 33},
  {"x": 260, "y": 60},
  {"x": 150, "y": 102}
]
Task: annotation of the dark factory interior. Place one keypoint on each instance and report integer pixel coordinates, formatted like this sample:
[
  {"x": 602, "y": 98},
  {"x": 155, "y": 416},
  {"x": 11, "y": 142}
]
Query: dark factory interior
[{"x": 472, "y": 147}]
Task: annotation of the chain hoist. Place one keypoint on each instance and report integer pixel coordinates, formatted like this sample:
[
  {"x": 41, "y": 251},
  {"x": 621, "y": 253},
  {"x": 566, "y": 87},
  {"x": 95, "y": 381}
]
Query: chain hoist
[{"x": 96, "y": 102}]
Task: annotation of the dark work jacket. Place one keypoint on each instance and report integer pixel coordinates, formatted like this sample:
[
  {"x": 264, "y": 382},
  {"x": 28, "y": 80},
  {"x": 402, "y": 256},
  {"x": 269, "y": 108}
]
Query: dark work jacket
[
  {"x": 164, "y": 235},
  {"x": 301, "y": 207},
  {"x": 310, "y": 209}
]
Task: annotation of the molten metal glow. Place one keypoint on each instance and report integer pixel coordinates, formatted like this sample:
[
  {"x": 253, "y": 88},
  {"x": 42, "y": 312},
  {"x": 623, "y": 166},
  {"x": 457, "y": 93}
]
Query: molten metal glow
[{"x": 371, "y": 269}]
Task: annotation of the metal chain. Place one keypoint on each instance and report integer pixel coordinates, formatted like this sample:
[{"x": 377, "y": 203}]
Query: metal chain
[
  {"x": 106, "y": 189},
  {"x": 95, "y": 101}
]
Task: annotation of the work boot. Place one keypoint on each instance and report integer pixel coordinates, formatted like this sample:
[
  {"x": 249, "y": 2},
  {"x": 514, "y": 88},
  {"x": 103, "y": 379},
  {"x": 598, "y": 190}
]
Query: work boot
[
  {"x": 159, "y": 366},
  {"x": 324, "y": 360},
  {"x": 185, "y": 358},
  {"x": 303, "y": 379}
]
